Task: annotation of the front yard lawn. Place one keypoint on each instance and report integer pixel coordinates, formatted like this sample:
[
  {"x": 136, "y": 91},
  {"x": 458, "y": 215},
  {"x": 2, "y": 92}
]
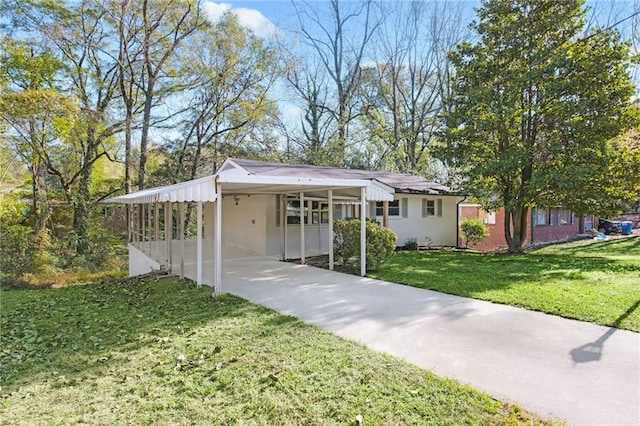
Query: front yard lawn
[
  {"x": 165, "y": 352},
  {"x": 594, "y": 281}
]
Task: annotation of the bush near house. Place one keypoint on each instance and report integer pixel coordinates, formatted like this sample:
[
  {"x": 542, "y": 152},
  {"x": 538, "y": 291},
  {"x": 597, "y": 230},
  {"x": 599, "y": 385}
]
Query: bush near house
[
  {"x": 381, "y": 242},
  {"x": 473, "y": 230},
  {"x": 411, "y": 244}
]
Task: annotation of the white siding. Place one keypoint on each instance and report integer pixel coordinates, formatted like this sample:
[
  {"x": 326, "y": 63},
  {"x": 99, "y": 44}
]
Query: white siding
[
  {"x": 436, "y": 230},
  {"x": 316, "y": 240},
  {"x": 244, "y": 223},
  {"x": 252, "y": 225},
  {"x": 273, "y": 245},
  {"x": 140, "y": 263},
  {"x": 316, "y": 237}
]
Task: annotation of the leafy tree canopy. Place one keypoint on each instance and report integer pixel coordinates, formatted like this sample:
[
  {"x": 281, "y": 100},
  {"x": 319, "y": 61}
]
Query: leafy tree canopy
[{"x": 535, "y": 106}]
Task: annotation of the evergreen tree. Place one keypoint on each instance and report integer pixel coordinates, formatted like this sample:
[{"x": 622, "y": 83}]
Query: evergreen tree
[{"x": 535, "y": 106}]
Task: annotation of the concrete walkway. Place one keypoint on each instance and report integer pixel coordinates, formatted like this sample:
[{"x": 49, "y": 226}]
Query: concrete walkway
[{"x": 579, "y": 372}]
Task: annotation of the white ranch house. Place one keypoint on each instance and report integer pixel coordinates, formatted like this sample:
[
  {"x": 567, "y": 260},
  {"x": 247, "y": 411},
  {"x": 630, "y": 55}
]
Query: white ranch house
[{"x": 254, "y": 207}]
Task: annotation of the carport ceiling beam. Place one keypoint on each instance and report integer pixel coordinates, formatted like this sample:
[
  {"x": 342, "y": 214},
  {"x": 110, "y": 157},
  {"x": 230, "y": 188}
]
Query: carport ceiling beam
[
  {"x": 293, "y": 182},
  {"x": 336, "y": 198},
  {"x": 289, "y": 189}
]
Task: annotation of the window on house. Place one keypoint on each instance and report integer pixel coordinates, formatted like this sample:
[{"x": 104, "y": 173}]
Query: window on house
[
  {"x": 349, "y": 211},
  {"x": 431, "y": 208},
  {"x": 565, "y": 217},
  {"x": 394, "y": 208},
  {"x": 542, "y": 216},
  {"x": 337, "y": 211},
  {"x": 294, "y": 214},
  {"x": 314, "y": 212},
  {"x": 490, "y": 218},
  {"x": 324, "y": 213},
  {"x": 319, "y": 212}
]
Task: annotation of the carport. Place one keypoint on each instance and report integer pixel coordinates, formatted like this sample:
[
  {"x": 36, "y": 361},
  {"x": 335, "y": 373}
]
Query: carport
[{"x": 157, "y": 218}]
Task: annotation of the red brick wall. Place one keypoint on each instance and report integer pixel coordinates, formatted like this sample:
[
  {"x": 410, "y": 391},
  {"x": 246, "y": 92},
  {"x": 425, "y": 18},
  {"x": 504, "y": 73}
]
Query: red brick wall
[
  {"x": 541, "y": 233},
  {"x": 554, "y": 232},
  {"x": 496, "y": 239}
]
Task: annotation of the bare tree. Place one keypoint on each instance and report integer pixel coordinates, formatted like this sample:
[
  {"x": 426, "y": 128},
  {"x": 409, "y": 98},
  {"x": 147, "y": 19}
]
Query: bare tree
[
  {"x": 339, "y": 38},
  {"x": 231, "y": 72},
  {"x": 129, "y": 63},
  {"x": 164, "y": 27},
  {"x": 407, "y": 86},
  {"x": 305, "y": 76}
]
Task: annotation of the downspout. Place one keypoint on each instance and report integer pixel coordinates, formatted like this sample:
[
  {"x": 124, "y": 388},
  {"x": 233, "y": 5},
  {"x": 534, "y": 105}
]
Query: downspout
[{"x": 464, "y": 197}]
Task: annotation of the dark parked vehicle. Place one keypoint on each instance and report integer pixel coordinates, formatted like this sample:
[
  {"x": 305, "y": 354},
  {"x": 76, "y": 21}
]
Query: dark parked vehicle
[{"x": 607, "y": 226}]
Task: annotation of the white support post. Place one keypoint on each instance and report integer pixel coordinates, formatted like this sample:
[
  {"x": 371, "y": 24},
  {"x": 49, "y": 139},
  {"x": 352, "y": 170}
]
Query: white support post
[
  {"x": 156, "y": 232},
  {"x": 302, "y": 218},
  {"x": 168, "y": 233},
  {"x": 127, "y": 208},
  {"x": 142, "y": 228},
  {"x": 149, "y": 227},
  {"x": 199, "y": 244},
  {"x": 318, "y": 224},
  {"x": 283, "y": 221},
  {"x": 385, "y": 214},
  {"x": 217, "y": 262},
  {"x": 135, "y": 224},
  {"x": 181, "y": 230},
  {"x": 363, "y": 231},
  {"x": 285, "y": 217},
  {"x": 330, "y": 197},
  {"x": 214, "y": 249}
]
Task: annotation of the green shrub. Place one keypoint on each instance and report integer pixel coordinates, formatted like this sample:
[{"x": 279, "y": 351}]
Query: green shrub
[
  {"x": 15, "y": 237},
  {"x": 473, "y": 230},
  {"x": 14, "y": 246},
  {"x": 381, "y": 242},
  {"x": 411, "y": 244},
  {"x": 45, "y": 260}
]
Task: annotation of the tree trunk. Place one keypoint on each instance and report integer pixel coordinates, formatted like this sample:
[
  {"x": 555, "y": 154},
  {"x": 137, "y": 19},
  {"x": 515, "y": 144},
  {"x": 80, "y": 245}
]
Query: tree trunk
[
  {"x": 341, "y": 146},
  {"x": 144, "y": 140},
  {"x": 39, "y": 202},
  {"x": 82, "y": 201},
  {"x": 515, "y": 228}
]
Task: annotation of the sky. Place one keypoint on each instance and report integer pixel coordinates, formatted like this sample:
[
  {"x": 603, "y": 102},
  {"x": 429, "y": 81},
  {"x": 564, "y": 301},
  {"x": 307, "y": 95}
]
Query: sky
[
  {"x": 264, "y": 17},
  {"x": 256, "y": 16},
  {"x": 267, "y": 18}
]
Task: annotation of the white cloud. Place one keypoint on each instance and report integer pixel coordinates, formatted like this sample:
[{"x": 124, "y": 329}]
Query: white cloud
[
  {"x": 251, "y": 19},
  {"x": 215, "y": 10}
]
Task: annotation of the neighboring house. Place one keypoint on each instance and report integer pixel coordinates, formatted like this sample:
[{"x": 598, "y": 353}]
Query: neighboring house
[
  {"x": 543, "y": 226},
  {"x": 280, "y": 210}
]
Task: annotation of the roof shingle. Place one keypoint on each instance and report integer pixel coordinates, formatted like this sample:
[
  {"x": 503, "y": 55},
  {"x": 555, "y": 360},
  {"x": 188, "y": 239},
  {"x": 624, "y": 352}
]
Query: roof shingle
[{"x": 402, "y": 182}]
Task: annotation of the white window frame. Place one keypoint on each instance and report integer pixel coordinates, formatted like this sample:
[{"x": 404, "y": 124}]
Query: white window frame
[
  {"x": 490, "y": 218},
  {"x": 394, "y": 208},
  {"x": 542, "y": 213},
  {"x": 432, "y": 207},
  {"x": 319, "y": 212},
  {"x": 562, "y": 219}
]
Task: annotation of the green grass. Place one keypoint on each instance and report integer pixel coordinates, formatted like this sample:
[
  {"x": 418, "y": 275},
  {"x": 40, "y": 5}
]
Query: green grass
[
  {"x": 594, "y": 281},
  {"x": 165, "y": 352}
]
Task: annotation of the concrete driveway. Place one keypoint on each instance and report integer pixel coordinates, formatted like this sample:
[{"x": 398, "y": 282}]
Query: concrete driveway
[{"x": 581, "y": 373}]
